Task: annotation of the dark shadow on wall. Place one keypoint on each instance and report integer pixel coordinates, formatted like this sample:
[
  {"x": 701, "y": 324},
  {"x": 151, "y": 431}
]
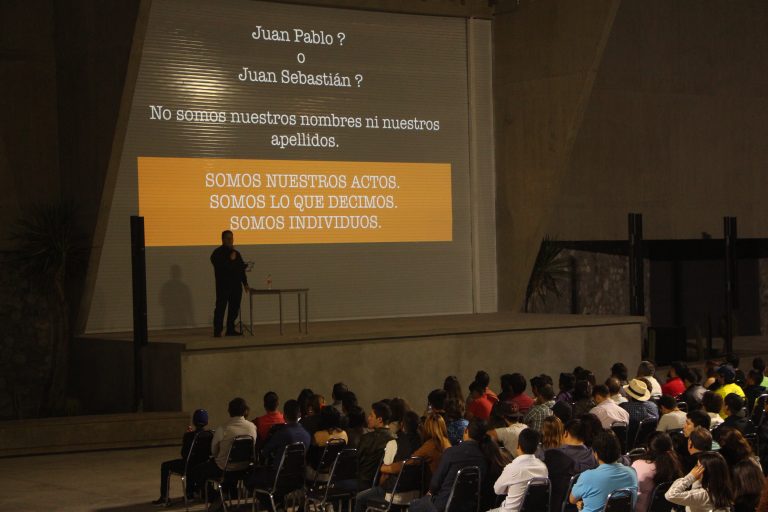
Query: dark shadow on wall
[{"x": 176, "y": 301}]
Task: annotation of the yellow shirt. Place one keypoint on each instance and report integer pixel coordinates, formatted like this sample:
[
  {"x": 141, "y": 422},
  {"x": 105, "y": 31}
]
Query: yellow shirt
[{"x": 726, "y": 390}]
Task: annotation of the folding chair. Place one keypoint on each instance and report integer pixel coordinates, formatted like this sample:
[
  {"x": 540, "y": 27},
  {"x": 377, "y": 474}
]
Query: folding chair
[
  {"x": 621, "y": 500},
  {"x": 239, "y": 459},
  {"x": 325, "y": 460},
  {"x": 343, "y": 468},
  {"x": 465, "y": 492},
  {"x": 754, "y": 441},
  {"x": 621, "y": 429},
  {"x": 637, "y": 453},
  {"x": 288, "y": 478},
  {"x": 644, "y": 429},
  {"x": 199, "y": 451},
  {"x": 758, "y": 411},
  {"x": 536, "y": 497},
  {"x": 567, "y": 505},
  {"x": 658, "y": 503},
  {"x": 408, "y": 486}
]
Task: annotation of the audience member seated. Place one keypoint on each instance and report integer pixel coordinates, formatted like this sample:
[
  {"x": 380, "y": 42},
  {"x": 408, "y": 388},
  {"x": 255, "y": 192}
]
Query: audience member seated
[
  {"x": 484, "y": 379},
  {"x": 505, "y": 426},
  {"x": 357, "y": 426},
  {"x": 398, "y": 406},
  {"x": 707, "y": 488},
  {"x": 551, "y": 435},
  {"x": 675, "y": 386},
  {"x": 594, "y": 485},
  {"x": 710, "y": 374},
  {"x": 514, "y": 478},
  {"x": 694, "y": 391},
  {"x": 614, "y": 388},
  {"x": 571, "y": 458},
  {"x": 736, "y": 417},
  {"x": 735, "y": 448},
  {"x": 692, "y": 420},
  {"x": 272, "y": 417},
  {"x": 545, "y": 399},
  {"x": 311, "y": 422},
  {"x": 660, "y": 464},
  {"x": 699, "y": 441},
  {"x": 305, "y": 402},
  {"x": 431, "y": 451},
  {"x": 740, "y": 378},
  {"x": 477, "y": 449},
  {"x": 726, "y": 377},
  {"x": 592, "y": 427},
  {"x": 713, "y": 404},
  {"x": 480, "y": 405},
  {"x": 199, "y": 421},
  {"x": 237, "y": 425},
  {"x": 375, "y": 447},
  {"x": 330, "y": 427},
  {"x": 514, "y": 392},
  {"x": 647, "y": 370},
  {"x": 639, "y": 407},
  {"x": 754, "y": 388},
  {"x": 672, "y": 418},
  {"x": 582, "y": 397},
  {"x": 455, "y": 421},
  {"x": 606, "y": 410},
  {"x": 453, "y": 388},
  {"x": 337, "y": 394},
  {"x": 759, "y": 364},
  {"x": 408, "y": 437},
  {"x": 291, "y": 432},
  {"x": 620, "y": 372},
  {"x": 748, "y": 482},
  {"x": 565, "y": 383}
]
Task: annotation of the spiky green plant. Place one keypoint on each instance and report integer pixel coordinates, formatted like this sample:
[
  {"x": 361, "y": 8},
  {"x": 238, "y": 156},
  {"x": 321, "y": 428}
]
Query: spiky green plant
[{"x": 550, "y": 269}]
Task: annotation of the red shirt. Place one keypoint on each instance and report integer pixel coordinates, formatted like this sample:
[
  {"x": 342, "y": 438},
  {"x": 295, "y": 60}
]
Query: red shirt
[
  {"x": 523, "y": 402},
  {"x": 490, "y": 395},
  {"x": 481, "y": 407},
  {"x": 673, "y": 387},
  {"x": 264, "y": 423}
]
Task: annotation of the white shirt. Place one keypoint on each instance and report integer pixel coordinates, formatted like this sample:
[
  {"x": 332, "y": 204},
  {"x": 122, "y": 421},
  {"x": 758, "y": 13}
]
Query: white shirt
[
  {"x": 655, "y": 386},
  {"x": 507, "y": 436},
  {"x": 716, "y": 420},
  {"x": 619, "y": 399},
  {"x": 671, "y": 421},
  {"x": 609, "y": 412},
  {"x": 514, "y": 479},
  {"x": 224, "y": 435},
  {"x": 390, "y": 450}
]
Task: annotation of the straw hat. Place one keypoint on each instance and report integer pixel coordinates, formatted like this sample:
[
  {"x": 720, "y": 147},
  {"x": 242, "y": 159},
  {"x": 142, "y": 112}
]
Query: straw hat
[{"x": 638, "y": 390}]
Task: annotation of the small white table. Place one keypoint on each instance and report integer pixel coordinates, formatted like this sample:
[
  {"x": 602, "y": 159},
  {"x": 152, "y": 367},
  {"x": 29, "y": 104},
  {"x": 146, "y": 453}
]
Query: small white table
[{"x": 280, "y": 292}]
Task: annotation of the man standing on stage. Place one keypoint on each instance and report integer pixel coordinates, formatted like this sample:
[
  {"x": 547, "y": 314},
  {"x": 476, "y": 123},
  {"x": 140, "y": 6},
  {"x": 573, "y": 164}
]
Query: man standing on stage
[{"x": 229, "y": 269}]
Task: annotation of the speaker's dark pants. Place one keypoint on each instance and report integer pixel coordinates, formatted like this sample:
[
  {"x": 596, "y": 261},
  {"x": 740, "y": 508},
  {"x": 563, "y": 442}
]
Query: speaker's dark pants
[{"x": 227, "y": 298}]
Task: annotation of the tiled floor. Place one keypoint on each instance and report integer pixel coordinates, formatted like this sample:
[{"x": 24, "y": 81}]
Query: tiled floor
[{"x": 114, "y": 481}]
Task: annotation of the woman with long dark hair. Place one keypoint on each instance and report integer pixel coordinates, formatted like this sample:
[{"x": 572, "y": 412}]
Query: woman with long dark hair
[
  {"x": 659, "y": 465},
  {"x": 716, "y": 491}
]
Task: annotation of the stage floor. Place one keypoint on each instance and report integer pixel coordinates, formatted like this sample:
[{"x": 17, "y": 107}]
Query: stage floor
[{"x": 374, "y": 329}]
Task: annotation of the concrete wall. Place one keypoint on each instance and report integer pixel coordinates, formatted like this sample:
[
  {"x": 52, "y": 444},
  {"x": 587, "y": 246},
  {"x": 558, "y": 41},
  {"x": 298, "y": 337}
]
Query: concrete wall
[
  {"x": 609, "y": 107},
  {"x": 407, "y": 367}
]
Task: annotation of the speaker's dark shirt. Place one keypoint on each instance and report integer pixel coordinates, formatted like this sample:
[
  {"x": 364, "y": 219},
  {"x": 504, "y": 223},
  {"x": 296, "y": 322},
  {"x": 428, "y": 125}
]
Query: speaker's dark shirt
[{"x": 229, "y": 273}]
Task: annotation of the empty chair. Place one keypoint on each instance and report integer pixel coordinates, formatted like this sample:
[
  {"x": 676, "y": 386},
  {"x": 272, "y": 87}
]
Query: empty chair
[
  {"x": 344, "y": 468},
  {"x": 288, "y": 478},
  {"x": 407, "y": 487},
  {"x": 537, "y": 494},
  {"x": 644, "y": 429},
  {"x": 621, "y": 429},
  {"x": 621, "y": 500},
  {"x": 658, "y": 503},
  {"x": 465, "y": 492},
  {"x": 240, "y": 455}
]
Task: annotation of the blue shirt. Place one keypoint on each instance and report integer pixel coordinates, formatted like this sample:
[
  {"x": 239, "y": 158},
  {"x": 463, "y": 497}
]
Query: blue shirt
[
  {"x": 456, "y": 430},
  {"x": 282, "y": 437},
  {"x": 594, "y": 485}
]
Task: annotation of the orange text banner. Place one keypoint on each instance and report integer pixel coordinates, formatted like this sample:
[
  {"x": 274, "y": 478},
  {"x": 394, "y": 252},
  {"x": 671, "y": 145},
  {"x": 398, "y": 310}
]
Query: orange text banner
[{"x": 190, "y": 201}]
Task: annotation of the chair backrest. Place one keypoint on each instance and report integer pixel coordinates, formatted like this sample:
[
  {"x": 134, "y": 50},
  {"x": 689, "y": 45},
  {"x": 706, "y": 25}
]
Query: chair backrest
[
  {"x": 621, "y": 429},
  {"x": 658, "y": 503},
  {"x": 331, "y": 449},
  {"x": 758, "y": 411},
  {"x": 637, "y": 453},
  {"x": 683, "y": 406},
  {"x": 411, "y": 475},
  {"x": 567, "y": 504},
  {"x": 200, "y": 450},
  {"x": 465, "y": 491},
  {"x": 241, "y": 454},
  {"x": 536, "y": 497},
  {"x": 620, "y": 500},
  {"x": 644, "y": 429},
  {"x": 344, "y": 467},
  {"x": 291, "y": 471}
]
